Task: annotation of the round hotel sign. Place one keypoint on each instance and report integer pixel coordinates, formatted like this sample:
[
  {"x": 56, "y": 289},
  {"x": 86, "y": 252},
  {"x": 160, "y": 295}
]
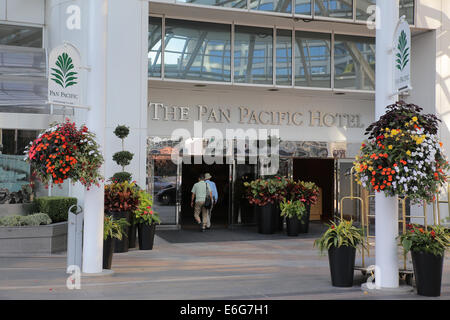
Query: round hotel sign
[
  {"x": 402, "y": 56},
  {"x": 64, "y": 76}
]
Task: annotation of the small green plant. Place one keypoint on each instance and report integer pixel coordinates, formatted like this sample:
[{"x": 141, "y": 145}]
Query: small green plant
[
  {"x": 432, "y": 239},
  {"x": 292, "y": 209},
  {"x": 144, "y": 212},
  {"x": 114, "y": 228},
  {"x": 35, "y": 219},
  {"x": 338, "y": 235},
  {"x": 122, "y": 158}
]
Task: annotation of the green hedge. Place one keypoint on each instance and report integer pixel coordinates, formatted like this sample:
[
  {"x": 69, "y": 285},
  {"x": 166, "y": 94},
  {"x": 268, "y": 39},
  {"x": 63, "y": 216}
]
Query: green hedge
[{"x": 55, "y": 207}]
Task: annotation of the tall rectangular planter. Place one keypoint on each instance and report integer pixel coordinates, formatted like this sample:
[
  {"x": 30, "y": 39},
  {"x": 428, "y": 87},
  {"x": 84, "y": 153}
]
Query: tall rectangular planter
[{"x": 33, "y": 240}]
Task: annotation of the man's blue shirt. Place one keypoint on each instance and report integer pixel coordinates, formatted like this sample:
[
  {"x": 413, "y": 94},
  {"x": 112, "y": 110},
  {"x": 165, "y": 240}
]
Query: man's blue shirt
[{"x": 213, "y": 188}]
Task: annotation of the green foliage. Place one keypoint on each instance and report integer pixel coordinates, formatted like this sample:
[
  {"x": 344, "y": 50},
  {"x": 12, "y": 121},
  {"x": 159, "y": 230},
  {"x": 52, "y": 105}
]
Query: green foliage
[
  {"x": 30, "y": 220},
  {"x": 56, "y": 207},
  {"x": 122, "y": 131},
  {"x": 338, "y": 235},
  {"x": 121, "y": 177},
  {"x": 114, "y": 228},
  {"x": 123, "y": 158},
  {"x": 433, "y": 239},
  {"x": 292, "y": 209},
  {"x": 144, "y": 212},
  {"x": 121, "y": 197}
]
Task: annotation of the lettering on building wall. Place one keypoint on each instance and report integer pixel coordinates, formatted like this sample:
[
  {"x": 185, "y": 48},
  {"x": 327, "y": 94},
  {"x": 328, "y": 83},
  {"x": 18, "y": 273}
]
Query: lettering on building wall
[{"x": 248, "y": 116}]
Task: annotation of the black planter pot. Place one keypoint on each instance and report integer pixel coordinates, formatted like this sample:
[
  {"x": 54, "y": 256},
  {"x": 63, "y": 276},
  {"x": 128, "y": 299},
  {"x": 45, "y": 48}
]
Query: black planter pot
[
  {"x": 428, "y": 273},
  {"x": 304, "y": 226},
  {"x": 121, "y": 245},
  {"x": 342, "y": 264},
  {"x": 293, "y": 226},
  {"x": 278, "y": 218},
  {"x": 132, "y": 233},
  {"x": 266, "y": 219},
  {"x": 146, "y": 235},
  {"x": 108, "y": 251}
]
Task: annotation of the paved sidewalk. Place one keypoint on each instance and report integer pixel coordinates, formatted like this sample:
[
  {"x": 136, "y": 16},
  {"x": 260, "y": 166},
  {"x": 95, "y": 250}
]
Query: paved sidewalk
[{"x": 288, "y": 268}]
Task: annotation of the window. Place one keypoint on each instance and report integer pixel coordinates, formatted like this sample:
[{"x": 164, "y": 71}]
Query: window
[
  {"x": 312, "y": 59},
  {"x": 282, "y": 6},
  {"x": 284, "y": 57},
  {"x": 361, "y": 9},
  {"x": 154, "y": 47},
  {"x": 20, "y": 36},
  {"x": 303, "y": 7},
  {"x": 334, "y": 8},
  {"x": 241, "y": 4},
  {"x": 197, "y": 50},
  {"x": 354, "y": 62},
  {"x": 253, "y": 55},
  {"x": 407, "y": 9}
]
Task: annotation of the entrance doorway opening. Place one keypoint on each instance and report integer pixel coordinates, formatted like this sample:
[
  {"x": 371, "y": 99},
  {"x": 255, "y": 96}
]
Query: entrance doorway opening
[
  {"x": 220, "y": 176},
  {"x": 321, "y": 172}
]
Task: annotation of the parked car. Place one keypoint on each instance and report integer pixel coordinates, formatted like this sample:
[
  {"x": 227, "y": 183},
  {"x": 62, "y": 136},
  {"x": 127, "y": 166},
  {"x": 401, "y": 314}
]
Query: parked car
[{"x": 167, "y": 196}]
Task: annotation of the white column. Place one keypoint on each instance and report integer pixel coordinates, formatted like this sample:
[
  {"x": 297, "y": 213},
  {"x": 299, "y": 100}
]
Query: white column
[
  {"x": 386, "y": 209},
  {"x": 96, "y": 99}
]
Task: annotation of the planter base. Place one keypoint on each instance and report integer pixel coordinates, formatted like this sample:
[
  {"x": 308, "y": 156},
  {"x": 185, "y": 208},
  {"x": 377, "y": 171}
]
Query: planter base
[
  {"x": 403, "y": 289},
  {"x": 105, "y": 272}
]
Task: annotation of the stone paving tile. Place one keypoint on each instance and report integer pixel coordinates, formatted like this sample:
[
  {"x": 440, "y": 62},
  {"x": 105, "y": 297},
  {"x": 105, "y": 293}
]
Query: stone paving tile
[{"x": 289, "y": 269}]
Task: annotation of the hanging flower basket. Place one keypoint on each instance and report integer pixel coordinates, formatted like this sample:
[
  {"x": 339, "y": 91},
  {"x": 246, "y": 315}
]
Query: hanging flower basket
[
  {"x": 64, "y": 152},
  {"x": 403, "y": 155}
]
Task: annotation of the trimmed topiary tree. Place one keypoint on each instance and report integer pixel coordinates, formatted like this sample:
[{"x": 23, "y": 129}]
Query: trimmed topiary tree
[{"x": 122, "y": 158}]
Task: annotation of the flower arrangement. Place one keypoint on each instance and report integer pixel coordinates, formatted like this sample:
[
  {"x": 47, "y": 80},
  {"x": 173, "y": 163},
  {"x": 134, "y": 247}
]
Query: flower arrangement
[
  {"x": 290, "y": 209},
  {"x": 338, "y": 235},
  {"x": 121, "y": 196},
  {"x": 264, "y": 191},
  {"x": 432, "y": 239},
  {"x": 403, "y": 155},
  {"x": 144, "y": 212},
  {"x": 65, "y": 152}
]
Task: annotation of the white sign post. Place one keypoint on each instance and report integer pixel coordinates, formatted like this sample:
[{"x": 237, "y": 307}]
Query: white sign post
[
  {"x": 402, "y": 57},
  {"x": 64, "y": 76}
]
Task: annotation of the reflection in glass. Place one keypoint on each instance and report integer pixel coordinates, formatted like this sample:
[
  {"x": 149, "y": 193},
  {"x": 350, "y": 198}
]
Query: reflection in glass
[
  {"x": 197, "y": 50},
  {"x": 283, "y": 6},
  {"x": 253, "y": 55},
  {"x": 154, "y": 46},
  {"x": 20, "y": 36},
  {"x": 312, "y": 59},
  {"x": 284, "y": 57},
  {"x": 241, "y": 4},
  {"x": 407, "y": 9},
  {"x": 354, "y": 62},
  {"x": 361, "y": 9},
  {"x": 334, "y": 8},
  {"x": 303, "y": 7},
  {"x": 243, "y": 212}
]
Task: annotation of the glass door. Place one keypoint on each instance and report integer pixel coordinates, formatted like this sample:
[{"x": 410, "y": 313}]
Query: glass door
[{"x": 242, "y": 212}]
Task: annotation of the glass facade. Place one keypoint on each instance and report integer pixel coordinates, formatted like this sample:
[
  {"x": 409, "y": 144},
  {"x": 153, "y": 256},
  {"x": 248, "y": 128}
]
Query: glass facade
[
  {"x": 241, "y": 4},
  {"x": 303, "y": 7},
  {"x": 334, "y": 8},
  {"x": 197, "y": 50},
  {"x": 312, "y": 59},
  {"x": 407, "y": 9},
  {"x": 202, "y": 51},
  {"x": 253, "y": 50},
  {"x": 284, "y": 57},
  {"x": 20, "y": 36},
  {"x": 362, "y": 7},
  {"x": 282, "y": 6},
  {"x": 354, "y": 62}
]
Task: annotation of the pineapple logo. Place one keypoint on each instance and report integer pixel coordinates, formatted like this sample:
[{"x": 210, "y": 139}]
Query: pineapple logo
[{"x": 64, "y": 75}]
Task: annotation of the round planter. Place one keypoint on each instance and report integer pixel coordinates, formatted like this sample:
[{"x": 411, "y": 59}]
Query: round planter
[
  {"x": 342, "y": 264},
  {"x": 293, "y": 226},
  {"x": 428, "y": 273},
  {"x": 304, "y": 226},
  {"x": 266, "y": 221},
  {"x": 108, "y": 251},
  {"x": 121, "y": 245},
  {"x": 132, "y": 233},
  {"x": 146, "y": 235}
]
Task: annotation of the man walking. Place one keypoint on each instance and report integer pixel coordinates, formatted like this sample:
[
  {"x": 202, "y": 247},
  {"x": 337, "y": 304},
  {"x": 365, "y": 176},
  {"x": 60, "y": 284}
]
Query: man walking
[
  {"x": 215, "y": 196},
  {"x": 199, "y": 192}
]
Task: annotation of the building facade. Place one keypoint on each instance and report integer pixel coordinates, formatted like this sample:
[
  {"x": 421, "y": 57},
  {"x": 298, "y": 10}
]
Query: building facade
[{"x": 186, "y": 76}]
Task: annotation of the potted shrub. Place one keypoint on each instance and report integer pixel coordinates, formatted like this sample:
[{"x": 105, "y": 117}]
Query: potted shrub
[
  {"x": 121, "y": 200},
  {"x": 112, "y": 229},
  {"x": 309, "y": 193},
  {"x": 146, "y": 220},
  {"x": 264, "y": 194},
  {"x": 293, "y": 211},
  {"x": 341, "y": 241},
  {"x": 427, "y": 246}
]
